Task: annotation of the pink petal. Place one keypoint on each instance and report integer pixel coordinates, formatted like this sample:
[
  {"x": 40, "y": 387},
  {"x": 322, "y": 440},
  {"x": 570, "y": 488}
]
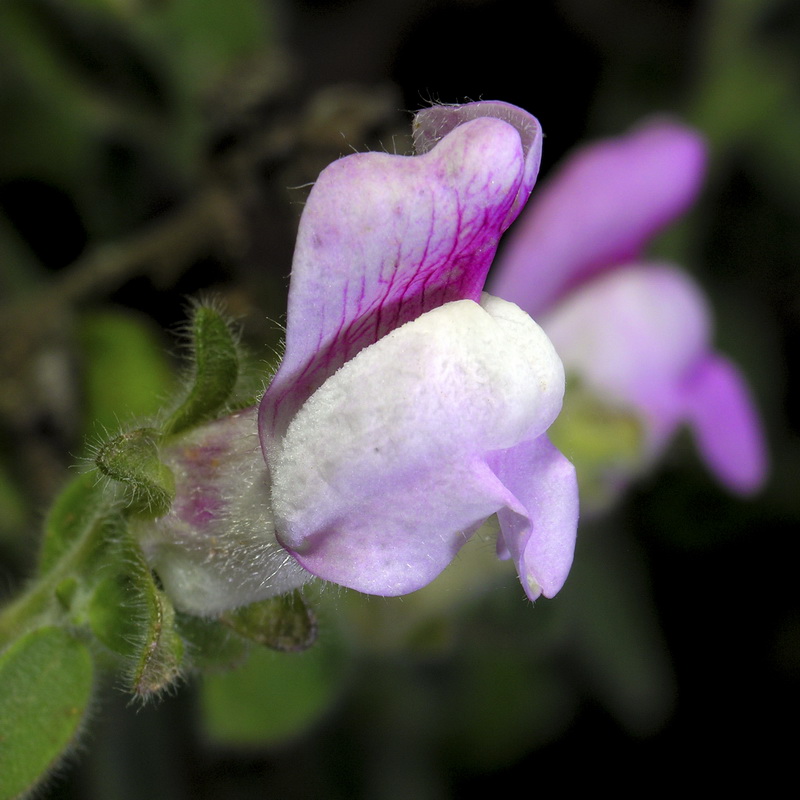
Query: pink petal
[
  {"x": 397, "y": 541},
  {"x": 384, "y": 239},
  {"x": 599, "y": 211},
  {"x": 639, "y": 338},
  {"x": 632, "y": 335},
  {"x": 725, "y": 423},
  {"x": 382, "y": 473},
  {"x": 538, "y": 530},
  {"x": 432, "y": 124}
]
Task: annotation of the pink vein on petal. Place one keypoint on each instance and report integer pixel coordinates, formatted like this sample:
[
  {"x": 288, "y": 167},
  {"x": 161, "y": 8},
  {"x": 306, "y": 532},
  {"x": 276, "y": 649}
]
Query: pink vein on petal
[{"x": 446, "y": 211}]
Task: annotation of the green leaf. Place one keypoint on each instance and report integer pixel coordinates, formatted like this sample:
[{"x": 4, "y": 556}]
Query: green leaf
[
  {"x": 45, "y": 686},
  {"x": 80, "y": 506},
  {"x": 133, "y": 459},
  {"x": 216, "y": 371},
  {"x": 275, "y": 695},
  {"x": 284, "y": 623},
  {"x": 81, "y": 527}
]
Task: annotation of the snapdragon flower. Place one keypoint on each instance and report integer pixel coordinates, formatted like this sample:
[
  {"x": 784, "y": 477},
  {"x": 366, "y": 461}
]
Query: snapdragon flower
[
  {"x": 409, "y": 406},
  {"x": 634, "y": 333}
]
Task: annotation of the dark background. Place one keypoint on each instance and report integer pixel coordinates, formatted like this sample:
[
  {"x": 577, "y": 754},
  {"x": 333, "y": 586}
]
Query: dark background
[{"x": 105, "y": 139}]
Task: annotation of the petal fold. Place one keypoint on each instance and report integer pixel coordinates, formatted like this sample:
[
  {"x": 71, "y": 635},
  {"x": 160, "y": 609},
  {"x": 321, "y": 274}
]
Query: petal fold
[
  {"x": 383, "y": 470},
  {"x": 382, "y": 240},
  {"x": 434, "y": 123},
  {"x": 599, "y": 210},
  {"x": 538, "y": 529}
]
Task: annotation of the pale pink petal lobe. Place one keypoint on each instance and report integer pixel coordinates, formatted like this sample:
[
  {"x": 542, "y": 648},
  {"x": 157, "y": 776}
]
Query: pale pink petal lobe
[{"x": 383, "y": 472}]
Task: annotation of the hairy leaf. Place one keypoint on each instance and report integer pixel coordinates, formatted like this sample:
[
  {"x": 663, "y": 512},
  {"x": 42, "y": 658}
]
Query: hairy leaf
[{"x": 45, "y": 687}]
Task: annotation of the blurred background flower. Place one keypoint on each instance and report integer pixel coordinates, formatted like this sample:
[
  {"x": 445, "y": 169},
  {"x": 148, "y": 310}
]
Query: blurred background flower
[
  {"x": 635, "y": 336},
  {"x": 156, "y": 149}
]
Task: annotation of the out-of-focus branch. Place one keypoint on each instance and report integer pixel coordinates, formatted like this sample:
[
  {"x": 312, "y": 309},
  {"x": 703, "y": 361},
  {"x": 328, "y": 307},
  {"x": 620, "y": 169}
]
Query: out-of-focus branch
[{"x": 162, "y": 250}]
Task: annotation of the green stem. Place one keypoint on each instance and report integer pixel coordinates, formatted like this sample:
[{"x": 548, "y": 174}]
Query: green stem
[{"x": 39, "y": 603}]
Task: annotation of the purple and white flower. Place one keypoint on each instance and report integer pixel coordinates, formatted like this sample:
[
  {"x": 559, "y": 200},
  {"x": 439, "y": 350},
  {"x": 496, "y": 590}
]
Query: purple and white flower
[
  {"x": 409, "y": 405},
  {"x": 635, "y": 333}
]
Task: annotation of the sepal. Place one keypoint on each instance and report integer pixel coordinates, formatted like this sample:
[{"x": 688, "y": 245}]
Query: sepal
[
  {"x": 216, "y": 371},
  {"x": 135, "y": 620},
  {"x": 159, "y": 648},
  {"x": 160, "y": 654},
  {"x": 209, "y": 645},
  {"x": 133, "y": 459},
  {"x": 285, "y": 623}
]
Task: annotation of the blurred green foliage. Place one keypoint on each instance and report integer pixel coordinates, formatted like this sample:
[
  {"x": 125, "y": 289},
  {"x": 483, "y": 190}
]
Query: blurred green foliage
[
  {"x": 126, "y": 374},
  {"x": 275, "y": 696},
  {"x": 84, "y": 81}
]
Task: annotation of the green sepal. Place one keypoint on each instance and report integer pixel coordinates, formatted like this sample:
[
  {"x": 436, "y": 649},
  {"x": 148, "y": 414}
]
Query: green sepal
[
  {"x": 160, "y": 657},
  {"x": 216, "y": 371},
  {"x": 133, "y": 618},
  {"x": 158, "y": 646},
  {"x": 210, "y": 645},
  {"x": 117, "y": 614},
  {"x": 284, "y": 623},
  {"x": 132, "y": 458},
  {"x": 45, "y": 686}
]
